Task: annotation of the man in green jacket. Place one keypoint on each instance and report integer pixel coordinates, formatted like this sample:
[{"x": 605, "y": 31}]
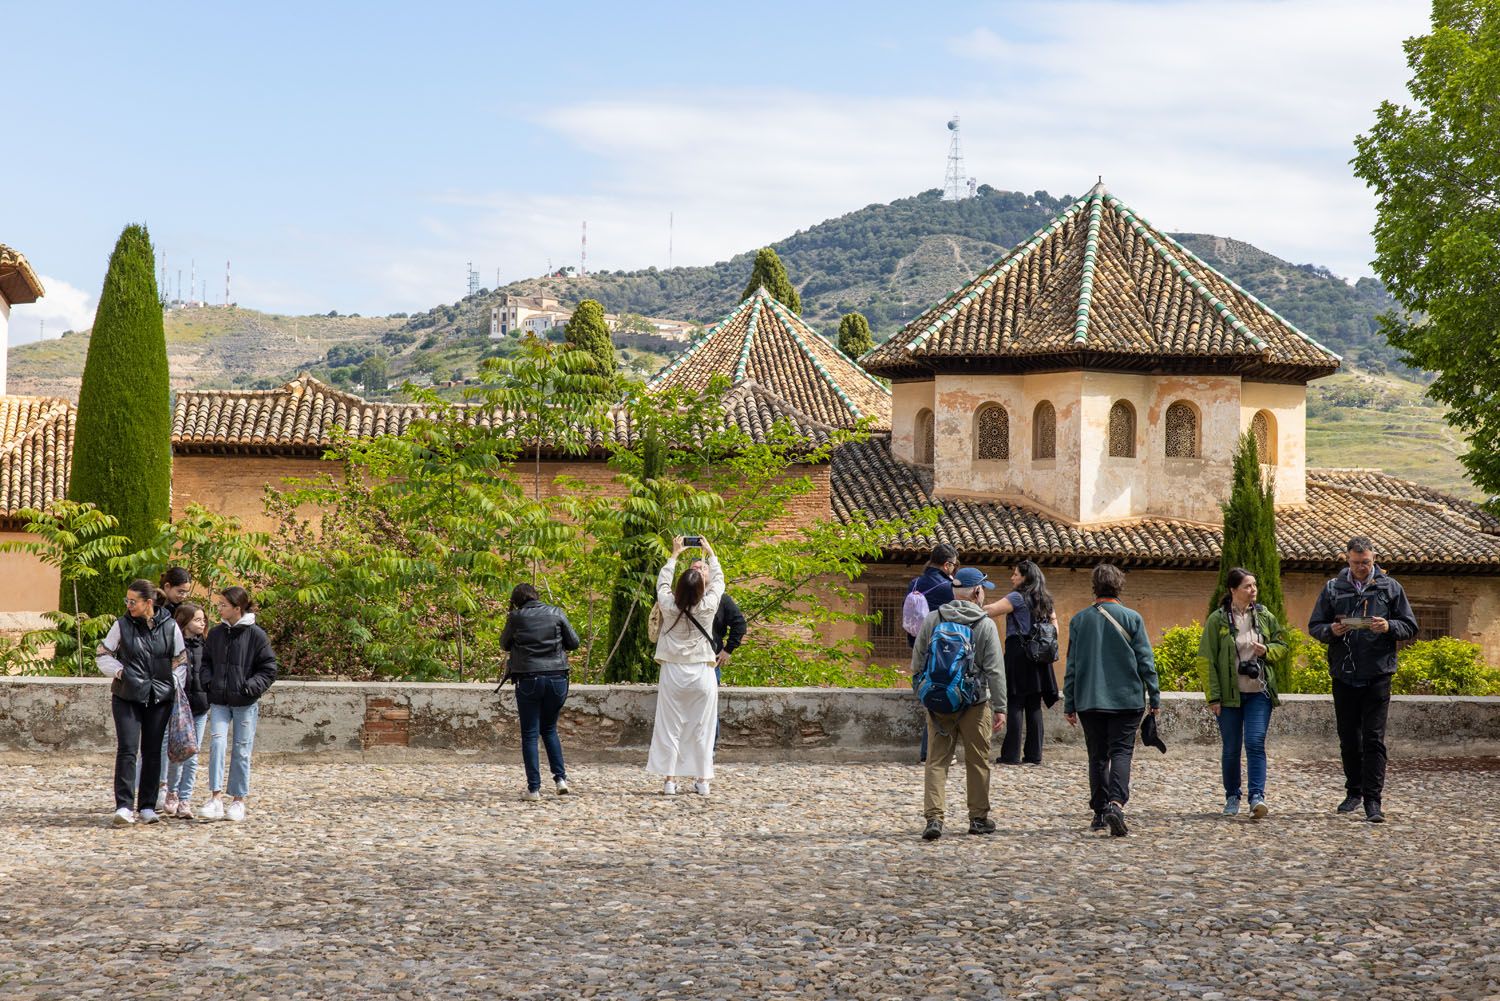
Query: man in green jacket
[
  {"x": 1110, "y": 680},
  {"x": 975, "y": 723}
]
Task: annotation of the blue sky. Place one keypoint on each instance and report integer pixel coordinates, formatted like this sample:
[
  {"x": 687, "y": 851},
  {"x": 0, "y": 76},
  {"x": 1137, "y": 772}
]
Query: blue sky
[{"x": 356, "y": 156}]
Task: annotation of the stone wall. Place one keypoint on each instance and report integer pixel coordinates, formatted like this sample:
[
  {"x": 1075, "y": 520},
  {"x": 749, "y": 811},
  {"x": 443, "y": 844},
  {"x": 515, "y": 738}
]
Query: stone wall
[{"x": 60, "y": 715}]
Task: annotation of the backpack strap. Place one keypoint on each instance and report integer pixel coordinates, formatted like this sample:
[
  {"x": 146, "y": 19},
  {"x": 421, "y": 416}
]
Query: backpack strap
[{"x": 1116, "y": 623}]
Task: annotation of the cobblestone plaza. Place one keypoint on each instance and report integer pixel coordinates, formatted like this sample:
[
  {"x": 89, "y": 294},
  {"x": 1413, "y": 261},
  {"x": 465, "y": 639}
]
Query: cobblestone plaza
[{"x": 431, "y": 878}]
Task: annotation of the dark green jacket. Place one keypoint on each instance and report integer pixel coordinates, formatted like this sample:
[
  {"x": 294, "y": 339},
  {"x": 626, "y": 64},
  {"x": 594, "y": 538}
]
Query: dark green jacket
[
  {"x": 1106, "y": 670},
  {"x": 1219, "y": 659}
]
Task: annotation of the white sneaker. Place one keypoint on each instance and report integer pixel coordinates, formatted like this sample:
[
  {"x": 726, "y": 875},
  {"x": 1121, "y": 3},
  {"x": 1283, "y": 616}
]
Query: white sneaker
[
  {"x": 562, "y": 787},
  {"x": 236, "y": 812},
  {"x": 669, "y": 788},
  {"x": 700, "y": 787},
  {"x": 122, "y": 817},
  {"x": 212, "y": 810},
  {"x": 532, "y": 795},
  {"x": 149, "y": 816}
]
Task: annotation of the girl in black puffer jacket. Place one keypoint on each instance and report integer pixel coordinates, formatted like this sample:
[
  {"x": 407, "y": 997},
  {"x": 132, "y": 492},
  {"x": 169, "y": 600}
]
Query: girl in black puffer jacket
[
  {"x": 182, "y": 774},
  {"x": 238, "y": 667},
  {"x": 140, "y": 652}
]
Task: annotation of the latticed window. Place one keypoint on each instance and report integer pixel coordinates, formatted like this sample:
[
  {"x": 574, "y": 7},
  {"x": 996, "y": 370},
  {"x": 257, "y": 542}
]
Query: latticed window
[
  {"x": 1044, "y": 432},
  {"x": 1434, "y": 620},
  {"x": 1262, "y": 426},
  {"x": 1122, "y": 430},
  {"x": 1182, "y": 431},
  {"x": 926, "y": 437},
  {"x": 886, "y": 635},
  {"x": 992, "y": 432}
]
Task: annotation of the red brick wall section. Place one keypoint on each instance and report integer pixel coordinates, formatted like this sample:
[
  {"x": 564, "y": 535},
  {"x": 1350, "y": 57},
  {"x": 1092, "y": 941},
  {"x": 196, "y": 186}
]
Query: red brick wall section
[{"x": 386, "y": 723}]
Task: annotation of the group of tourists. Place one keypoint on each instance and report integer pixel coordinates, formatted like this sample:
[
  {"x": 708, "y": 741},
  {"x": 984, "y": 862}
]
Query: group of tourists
[
  {"x": 970, "y": 690},
  {"x": 173, "y": 679}
]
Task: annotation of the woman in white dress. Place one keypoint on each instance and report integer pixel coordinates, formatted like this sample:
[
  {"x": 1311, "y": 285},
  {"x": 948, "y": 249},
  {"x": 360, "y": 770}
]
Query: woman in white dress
[{"x": 687, "y": 697}]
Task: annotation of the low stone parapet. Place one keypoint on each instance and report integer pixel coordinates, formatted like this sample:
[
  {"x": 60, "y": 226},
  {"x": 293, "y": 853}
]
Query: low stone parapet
[{"x": 605, "y": 722}]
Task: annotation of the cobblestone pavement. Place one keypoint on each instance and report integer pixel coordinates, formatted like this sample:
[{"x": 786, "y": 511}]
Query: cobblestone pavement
[{"x": 435, "y": 880}]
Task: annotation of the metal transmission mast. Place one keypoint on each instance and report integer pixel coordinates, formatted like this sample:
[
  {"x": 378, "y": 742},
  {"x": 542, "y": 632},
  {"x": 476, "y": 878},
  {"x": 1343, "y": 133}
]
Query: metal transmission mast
[
  {"x": 473, "y": 279},
  {"x": 955, "y": 183},
  {"x": 583, "y": 251}
]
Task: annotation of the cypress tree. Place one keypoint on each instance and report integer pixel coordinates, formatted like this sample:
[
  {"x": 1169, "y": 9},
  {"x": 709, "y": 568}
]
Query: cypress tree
[
  {"x": 854, "y": 335},
  {"x": 633, "y": 656},
  {"x": 770, "y": 272},
  {"x": 587, "y": 331},
  {"x": 1250, "y": 531},
  {"x": 122, "y": 447}
]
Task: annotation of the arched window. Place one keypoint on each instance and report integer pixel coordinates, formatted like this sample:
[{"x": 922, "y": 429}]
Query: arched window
[
  {"x": 925, "y": 434},
  {"x": 1182, "y": 431},
  {"x": 1122, "y": 430},
  {"x": 991, "y": 432},
  {"x": 1044, "y": 431},
  {"x": 1263, "y": 426}
]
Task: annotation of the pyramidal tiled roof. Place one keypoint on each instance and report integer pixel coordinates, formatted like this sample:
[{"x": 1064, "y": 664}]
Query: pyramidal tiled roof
[
  {"x": 18, "y": 283},
  {"x": 1418, "y": 528},
  {"x": 1101, "y": 286},
  {"x": 763, "y": 341},
  {"x": 36, "y": 452}
]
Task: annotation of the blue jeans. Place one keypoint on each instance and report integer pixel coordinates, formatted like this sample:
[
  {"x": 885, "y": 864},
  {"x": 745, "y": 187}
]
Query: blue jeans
[
  {"x": 539, "y": 701},
  {"x": 182, "y": 774},
  {"x": 1245, "y": 724},
  {"x": 219, "y": 720}
]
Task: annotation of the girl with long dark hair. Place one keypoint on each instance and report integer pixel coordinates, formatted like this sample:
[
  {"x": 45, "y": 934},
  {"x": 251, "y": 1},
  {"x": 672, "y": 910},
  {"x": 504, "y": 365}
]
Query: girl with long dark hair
[
  {"x": 181, "y": 775},
  {"x": 538, "y": 637},
  {"x": 687, "y": 697},
  {"x": 1028, "y": 683}
]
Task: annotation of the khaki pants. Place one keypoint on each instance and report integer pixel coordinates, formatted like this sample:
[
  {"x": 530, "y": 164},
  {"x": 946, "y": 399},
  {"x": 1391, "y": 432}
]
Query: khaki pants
[{"x": 944, "y": 732}]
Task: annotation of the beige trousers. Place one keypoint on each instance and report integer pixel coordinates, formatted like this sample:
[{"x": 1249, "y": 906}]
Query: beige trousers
[{"x": 944, "y": 733}]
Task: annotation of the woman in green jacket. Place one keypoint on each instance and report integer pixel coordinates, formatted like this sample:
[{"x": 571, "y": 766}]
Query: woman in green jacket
[{"x": 1243, "y": 647}]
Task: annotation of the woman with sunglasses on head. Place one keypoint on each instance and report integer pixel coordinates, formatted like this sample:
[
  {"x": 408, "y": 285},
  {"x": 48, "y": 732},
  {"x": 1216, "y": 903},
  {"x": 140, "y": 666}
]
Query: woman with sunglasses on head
[
  {"x": 1028, "y": 682},
  {"x": 140, "y": 652}
]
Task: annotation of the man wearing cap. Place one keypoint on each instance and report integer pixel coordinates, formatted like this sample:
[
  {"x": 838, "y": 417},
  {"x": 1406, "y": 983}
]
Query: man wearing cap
[{"x": 974, "y": 724}]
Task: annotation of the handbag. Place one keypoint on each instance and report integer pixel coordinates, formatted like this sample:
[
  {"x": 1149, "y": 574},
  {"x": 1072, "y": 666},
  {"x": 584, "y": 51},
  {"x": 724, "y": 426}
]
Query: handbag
[{"x": 182, "y": 734}]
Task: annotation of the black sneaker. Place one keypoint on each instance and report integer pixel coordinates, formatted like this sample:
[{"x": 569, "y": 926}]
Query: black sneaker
[
  {"x": 1373, "y": 812},
  {"x": 1351, "y": 803},
  {"x": 1098, "y": 824},
  {"x": 981, "y": 825},
  {"x": 1115, "y": 818},
  {"x": 934, "y": 830}
]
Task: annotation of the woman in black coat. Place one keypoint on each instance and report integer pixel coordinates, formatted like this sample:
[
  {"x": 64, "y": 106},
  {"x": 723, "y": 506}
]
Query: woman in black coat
[
  {"x": 140, "y": 652},
  {"x": 1028, "y": 683},
  {"x": 238, "y": 667},
  {"x": 538, "y": 638}
]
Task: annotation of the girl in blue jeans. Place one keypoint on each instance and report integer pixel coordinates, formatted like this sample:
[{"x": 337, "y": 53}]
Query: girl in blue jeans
[
  {"x": 181, "y": 775},
  {"x": 1242, "y": 649},
  {"x": 238, "y": 667},
  {"x": 538, "y": 637}
]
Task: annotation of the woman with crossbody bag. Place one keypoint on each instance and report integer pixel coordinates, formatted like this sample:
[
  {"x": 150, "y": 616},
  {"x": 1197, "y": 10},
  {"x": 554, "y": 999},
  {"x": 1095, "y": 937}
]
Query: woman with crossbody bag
[
  {"x": 538, "y": 638},
  {"x": 687, "y": 697},
  {"x": 1109, "y": 686}
]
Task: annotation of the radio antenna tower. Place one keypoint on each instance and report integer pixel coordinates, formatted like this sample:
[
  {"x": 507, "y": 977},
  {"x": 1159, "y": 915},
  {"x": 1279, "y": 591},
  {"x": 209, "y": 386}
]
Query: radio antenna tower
[
  {"x": 955, "y": 183},
  {"x": 473, "y": 279},
  {"x": 669, "y": 239},
  {"x": 583, "y": 251},
  {"x": 226, "y": 283}
]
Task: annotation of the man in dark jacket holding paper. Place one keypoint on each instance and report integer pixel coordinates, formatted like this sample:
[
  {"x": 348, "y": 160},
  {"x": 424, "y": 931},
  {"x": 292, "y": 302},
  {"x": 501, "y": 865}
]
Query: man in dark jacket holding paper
[{"x": 1362, "y": 614}]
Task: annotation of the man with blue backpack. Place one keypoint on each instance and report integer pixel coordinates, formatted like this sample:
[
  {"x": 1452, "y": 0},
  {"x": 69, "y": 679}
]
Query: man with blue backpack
[{"x": 958, "y": 671}]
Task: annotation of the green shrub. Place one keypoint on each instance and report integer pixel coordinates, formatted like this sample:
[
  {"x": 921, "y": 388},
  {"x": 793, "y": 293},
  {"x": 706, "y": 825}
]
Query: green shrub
[
  {"x": 1176, "y": 670},
  {"x": 1307, "y": 667},
  {"x": 1445, "y": 666}
]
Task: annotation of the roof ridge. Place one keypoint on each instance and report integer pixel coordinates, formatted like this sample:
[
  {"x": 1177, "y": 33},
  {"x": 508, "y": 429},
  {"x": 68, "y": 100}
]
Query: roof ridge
[
  {"x": 1145, "y": 230},
  {"x": 701, "y": 340},
  {"x": 1090, "y": 255},
  {"x": 750, "y": 329},
  {"x": 968, "y": 292},
  {"x": 780, "y": 310}
]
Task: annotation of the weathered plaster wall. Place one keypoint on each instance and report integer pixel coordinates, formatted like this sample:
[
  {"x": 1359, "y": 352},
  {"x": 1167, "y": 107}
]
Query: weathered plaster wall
[
  {"x": 1287, "y": 406},
  {"x": 1193, "y": 489},
  {"x": 26, "y": 583},
  {"x": 907, "y": 400},
  {"x": 55, "y": 715},
  {"x": 235, "y": 484}
]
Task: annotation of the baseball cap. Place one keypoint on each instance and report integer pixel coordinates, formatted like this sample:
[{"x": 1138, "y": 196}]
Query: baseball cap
[{"x": 972, "y": 577}]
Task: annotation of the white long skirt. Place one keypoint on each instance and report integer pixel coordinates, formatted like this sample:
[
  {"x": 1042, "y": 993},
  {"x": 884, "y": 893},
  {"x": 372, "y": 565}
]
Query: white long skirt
[{"x": 687, "y": 712}]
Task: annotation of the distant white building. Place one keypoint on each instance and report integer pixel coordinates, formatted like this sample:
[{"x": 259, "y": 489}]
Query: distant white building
[
  {"x": 18, "y": 286},
  {"x": 537, "y": 314}
]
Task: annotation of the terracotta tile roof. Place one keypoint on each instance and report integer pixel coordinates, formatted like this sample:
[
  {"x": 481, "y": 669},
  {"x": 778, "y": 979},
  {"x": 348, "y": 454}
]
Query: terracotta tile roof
[
  {"x": 1100, "y": 286},
  {"x": 763, "y": 341},
  {"x": 1414, "y": 528},
  {"x": 300, "y": 418},
  {"x": 18, "y": 283},
  {"x": 36, "y": 452}
]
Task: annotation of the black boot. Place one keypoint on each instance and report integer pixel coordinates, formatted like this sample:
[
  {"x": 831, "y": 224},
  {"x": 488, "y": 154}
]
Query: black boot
[
  {"x": 934, "y": 830},
  {"x": 1098, "y": 824},
  {"x": 1351, "y": 803},
  {"x": 1373, "y": 812}
]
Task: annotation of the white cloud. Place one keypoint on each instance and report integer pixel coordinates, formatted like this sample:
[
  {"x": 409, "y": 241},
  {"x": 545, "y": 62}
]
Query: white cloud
[{"x": 64, "y": 307}]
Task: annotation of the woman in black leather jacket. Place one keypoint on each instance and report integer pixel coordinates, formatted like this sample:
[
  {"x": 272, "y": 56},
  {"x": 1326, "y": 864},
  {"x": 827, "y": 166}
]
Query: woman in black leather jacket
[
  {"x": 538, "y": 638},
  {"x": 140, "y": 652}
]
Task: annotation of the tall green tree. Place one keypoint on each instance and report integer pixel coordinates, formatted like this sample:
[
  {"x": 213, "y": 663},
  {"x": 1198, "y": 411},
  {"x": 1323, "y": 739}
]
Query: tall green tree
[
  {"x": 1435, "y": 170},
  {"x": 854, "y": 335},
  {"x": 1250, "y": 530},
  {"x": 770, "y": 272},
  {"x": 122, "y": 448},
  {"x": 586, "y": 331},
  {"x": 631, "y": 654}
]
